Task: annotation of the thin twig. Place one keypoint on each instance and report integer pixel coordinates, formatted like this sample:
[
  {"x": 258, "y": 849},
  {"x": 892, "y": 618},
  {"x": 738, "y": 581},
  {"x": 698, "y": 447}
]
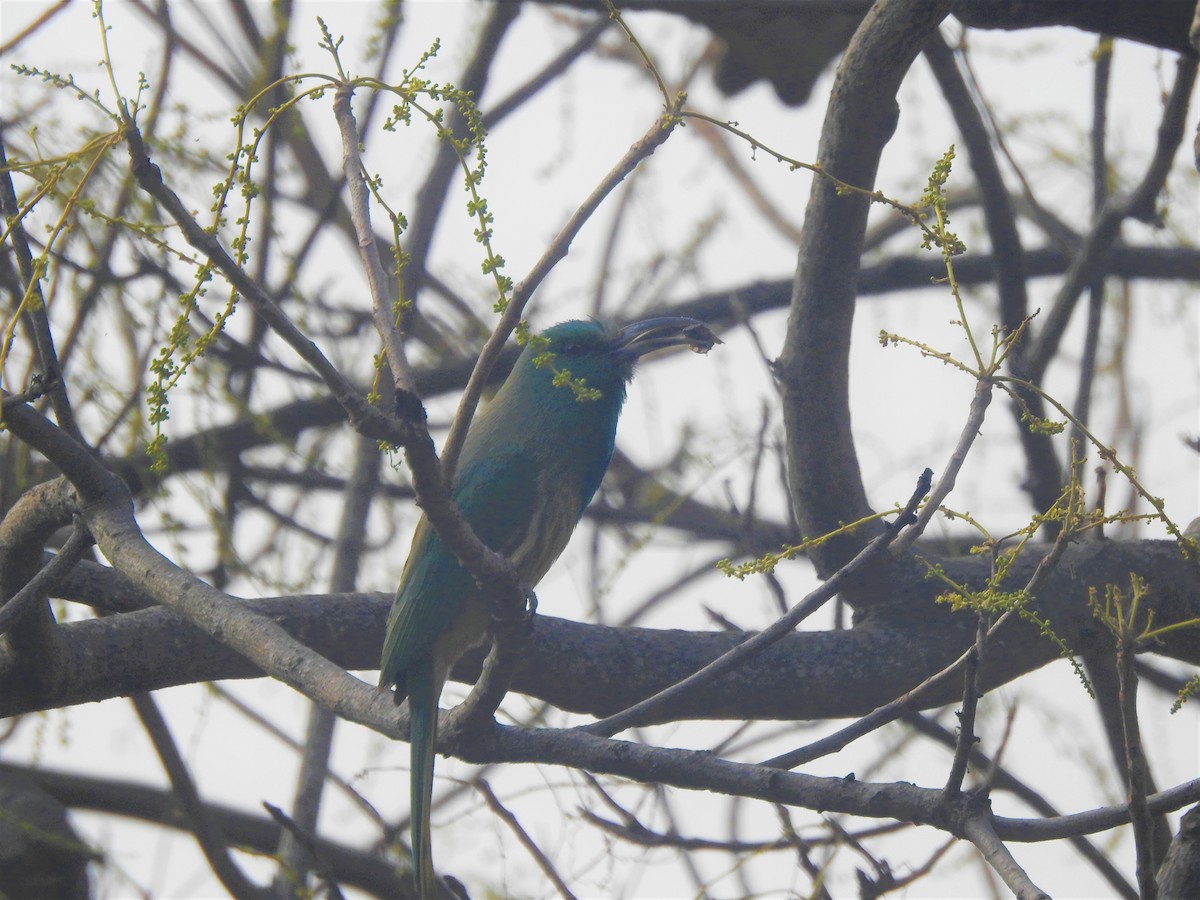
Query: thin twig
[
  {"x": 997, "y": 777},
  {"x": 1095, "y": 308},
  {"x": 35, "y": 590},
  {"x": 911, "y": 700},
  {"x": 431, "y": 194},
  {"x": 658, "y": 133},
  {"x": 35, "y": 311},
  {"x": 945, "y": 484},
  {"x": 382, "y": 286},
  {"x": 1008, "y": 261},
  {"x": 972, "y": 691},
  {"x": 295, "y": 856},
  {"x": 1138, "y": 204},
  {"x": 261, "y": 721},
  {"x": 369, "y": 419},
  {"x": 643, "y": 712},
  {"x": 201, "y": 823},
  {"x": 307, "y": 840},
  {"x": 1137, "y": 767},
  {"x": 506, "y": 816},
  {"x": 539, "y": 80}
]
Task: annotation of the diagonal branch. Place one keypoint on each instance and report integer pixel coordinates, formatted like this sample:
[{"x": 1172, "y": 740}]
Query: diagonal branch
[
  {"x": 382, "y": 287},
  {"x": 910, "y": 700},
  {"x": 108, "y": 511},
  {"x": 36, "y": 590},
  {"x": 1138, "y": 204},
  {"x": 646, "y": 710},
  {"x": 202, "y": 825},
  {"x": 978, "y": 830},
  {"x": 641, "y": 149}
]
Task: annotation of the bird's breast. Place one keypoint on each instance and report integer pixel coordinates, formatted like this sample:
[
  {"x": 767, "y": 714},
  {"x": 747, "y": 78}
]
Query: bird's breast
[{"x": 556, "y": 505}]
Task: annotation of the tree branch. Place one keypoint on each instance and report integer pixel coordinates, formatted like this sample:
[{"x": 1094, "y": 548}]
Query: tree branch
[
  {"x": 979, "y": 832},
  {"x": 150, "y": 804},
  {"x": 202, "y": 826},
  {"x": 597, "y": 671},
  {"x": 1139, "y": 204},
  {"x": 648, "y": 710},
  {"x": 826, "y": 485}
]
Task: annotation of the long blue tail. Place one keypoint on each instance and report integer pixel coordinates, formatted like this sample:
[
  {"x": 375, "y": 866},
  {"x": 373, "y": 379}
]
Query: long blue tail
[{"x": 422, "y": 707}]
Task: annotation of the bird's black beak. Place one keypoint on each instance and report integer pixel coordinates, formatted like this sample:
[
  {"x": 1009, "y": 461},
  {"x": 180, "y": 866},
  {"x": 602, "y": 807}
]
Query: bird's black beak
[{"x": 640, "y": 338}]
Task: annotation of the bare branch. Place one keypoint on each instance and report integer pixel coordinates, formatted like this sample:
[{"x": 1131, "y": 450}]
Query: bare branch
[
  {"x": 202, "y": 825},
  {"x": 1139, "y": 204},
  {"x": 647, "y": 710},
  {"x": 383, "y": 288},
  {"x": 506, "y": 816},
  {"x": 1138, "y": 771},
  {"x": 161, "y": 807},
  {"x": 826, "y": 485},
  {"x": 979, "y": 832},
  {"x": 972, "y": 691},
  {"x": 37, "y": 589},
  {"x": 554, "y": 253}
]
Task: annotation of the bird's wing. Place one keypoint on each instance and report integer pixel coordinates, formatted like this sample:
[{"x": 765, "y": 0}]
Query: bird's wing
[{"x": 497, "y": 496}]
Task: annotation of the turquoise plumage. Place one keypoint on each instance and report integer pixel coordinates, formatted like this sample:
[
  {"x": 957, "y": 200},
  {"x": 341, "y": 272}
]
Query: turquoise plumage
[{"x": 531, "y": 462}]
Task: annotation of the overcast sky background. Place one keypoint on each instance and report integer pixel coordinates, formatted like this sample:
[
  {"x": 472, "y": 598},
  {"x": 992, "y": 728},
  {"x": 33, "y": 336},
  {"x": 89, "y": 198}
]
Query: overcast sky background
[{"x": 908, "y": 411}]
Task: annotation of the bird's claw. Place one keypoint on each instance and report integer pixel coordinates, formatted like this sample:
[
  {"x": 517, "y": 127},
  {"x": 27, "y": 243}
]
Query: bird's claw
[
  {"x": 522, "y": 618},
  {"x": 531, "y": 605}
]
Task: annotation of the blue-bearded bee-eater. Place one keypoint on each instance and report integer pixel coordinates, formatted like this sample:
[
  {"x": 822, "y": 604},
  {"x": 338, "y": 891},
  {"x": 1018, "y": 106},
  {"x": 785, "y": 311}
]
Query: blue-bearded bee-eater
[{"x": 532, "y": 460}]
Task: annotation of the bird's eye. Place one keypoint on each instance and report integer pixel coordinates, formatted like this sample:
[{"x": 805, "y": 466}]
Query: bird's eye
[{"x": 570, "y": 348}]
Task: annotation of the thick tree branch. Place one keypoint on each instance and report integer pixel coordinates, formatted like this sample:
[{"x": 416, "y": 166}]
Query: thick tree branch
[
  {"x": 700, "y": 770},
  {"x": 599, "y": 670},
  {"x": 150, "y": 804},
  {"x": 825, "y": 482},
  {"x": 108, "y": 511}
]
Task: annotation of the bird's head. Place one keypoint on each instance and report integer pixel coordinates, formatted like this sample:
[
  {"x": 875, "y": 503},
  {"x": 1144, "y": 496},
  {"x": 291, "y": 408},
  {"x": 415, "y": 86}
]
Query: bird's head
[
  {"x": 588, "y": 356},
  {"x": 560, "y": 404}
]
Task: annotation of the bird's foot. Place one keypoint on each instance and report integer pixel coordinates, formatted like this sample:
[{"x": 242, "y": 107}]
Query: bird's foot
[
  {"x": 531, "y": 604},
  {"x": 520, "y": 624}
]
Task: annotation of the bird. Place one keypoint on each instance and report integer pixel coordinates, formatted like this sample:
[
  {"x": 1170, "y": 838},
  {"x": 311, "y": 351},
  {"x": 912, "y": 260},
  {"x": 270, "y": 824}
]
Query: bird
[{"x": 531, "y": 462}]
